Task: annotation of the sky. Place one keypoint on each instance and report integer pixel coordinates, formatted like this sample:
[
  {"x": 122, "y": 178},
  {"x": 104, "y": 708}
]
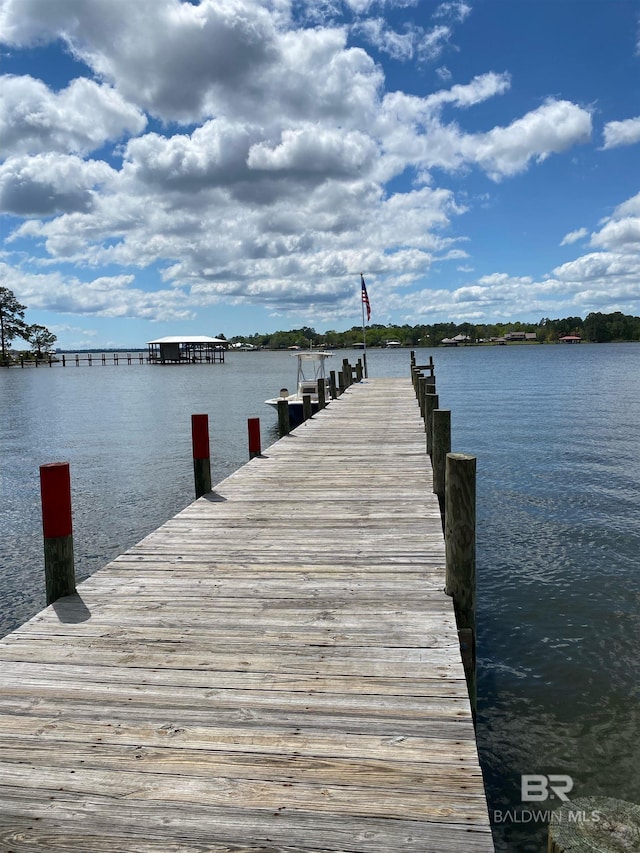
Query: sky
[{"x": 232, "y": 166}]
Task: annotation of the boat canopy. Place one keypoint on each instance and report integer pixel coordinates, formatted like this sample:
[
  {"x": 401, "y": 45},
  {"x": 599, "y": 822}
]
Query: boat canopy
[{"x": 311, "y": 363}]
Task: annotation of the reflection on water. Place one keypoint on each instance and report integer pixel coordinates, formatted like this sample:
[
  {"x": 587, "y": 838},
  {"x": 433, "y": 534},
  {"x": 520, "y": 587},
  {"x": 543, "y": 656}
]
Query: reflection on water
[{"x": 555, "y": 430}]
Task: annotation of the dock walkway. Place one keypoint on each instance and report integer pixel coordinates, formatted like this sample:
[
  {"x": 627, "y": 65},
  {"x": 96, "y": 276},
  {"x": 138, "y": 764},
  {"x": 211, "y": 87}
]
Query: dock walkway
[{"x": 274, "y": 669}]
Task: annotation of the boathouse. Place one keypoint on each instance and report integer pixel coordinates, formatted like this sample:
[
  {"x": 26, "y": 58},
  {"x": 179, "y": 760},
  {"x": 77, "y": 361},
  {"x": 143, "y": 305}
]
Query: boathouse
[
  {"x": 570, "y": 339},
  {"x": 197, "y": 349}
]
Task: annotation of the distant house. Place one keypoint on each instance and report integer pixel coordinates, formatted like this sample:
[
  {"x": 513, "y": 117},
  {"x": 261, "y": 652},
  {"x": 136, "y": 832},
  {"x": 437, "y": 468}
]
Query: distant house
[
  {"x": 458, "y": 339},
  {"x": 196, "y": 349},
  {"x": 521, "y": 336},
  {"x": 570, "y": 339}
]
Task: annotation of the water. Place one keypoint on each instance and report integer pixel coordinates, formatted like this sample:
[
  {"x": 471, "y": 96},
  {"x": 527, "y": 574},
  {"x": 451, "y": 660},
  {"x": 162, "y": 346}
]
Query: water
[{"x": 555, "y": 430}]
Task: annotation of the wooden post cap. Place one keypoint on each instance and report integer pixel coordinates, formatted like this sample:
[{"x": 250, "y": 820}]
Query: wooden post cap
[
  {"x": 595, "y": 825},
  {"x": 200, "y": 436},
  {"x": 55, "y": 491},
  {"x": 255, "y": 446}
]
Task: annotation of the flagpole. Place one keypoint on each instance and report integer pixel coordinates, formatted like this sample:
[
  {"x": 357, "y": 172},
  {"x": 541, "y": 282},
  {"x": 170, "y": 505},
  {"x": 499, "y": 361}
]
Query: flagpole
[{"x": 364, "y": 336}]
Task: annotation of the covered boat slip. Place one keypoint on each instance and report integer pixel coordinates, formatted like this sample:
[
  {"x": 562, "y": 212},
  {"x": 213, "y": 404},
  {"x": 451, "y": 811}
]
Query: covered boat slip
[
  {"x": 274, "y": 669},
  {"x": 195, "y": 349}
]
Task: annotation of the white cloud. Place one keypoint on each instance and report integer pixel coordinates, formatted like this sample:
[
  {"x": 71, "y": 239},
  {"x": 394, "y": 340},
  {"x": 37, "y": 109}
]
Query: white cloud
[
  {"x": 277, "y": 190},
  {"x": 169, "y": 58},
  {"x": 104, "y": 296},
  {"x": 480, "y": 89},
  {"x": 599, "y": 266},
  {"x": 79, "y": 119},
  {"x": 310, "y": 150},
  {"x": 552, "y": 128},
  {"x": 377, "y": 32},
  {"x": 434, "y": 42},
  {"x": 574, "y": 236},
  {"x": 456, "y": 10},
  {"x": 619, "y": 234},
  {"x": 618, "y": 133},
  {"x": 50, "y": 183}
]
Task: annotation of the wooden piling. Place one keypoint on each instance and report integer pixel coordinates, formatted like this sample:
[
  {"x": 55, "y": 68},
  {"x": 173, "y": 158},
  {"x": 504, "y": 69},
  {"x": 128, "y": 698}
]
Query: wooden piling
[
  {"x": 322, "y": 399},
  {"x": 597, "y": 824},
  {"x": 430, "y": 403},
  {"x": 346, "y": 372},
  {"x": 333, "y": 387},
  {"x": 255, "y": 446},
  {"x": 55, "y": 493},
  {"x": 420, "y": 392},
  {"x": 460, "y": 554},
  {"x": 306, "y": 407},
  {"x": 441, "y": 445},
  {"x": 284, "y": 424},
  {"x": 201, "y": 455}
]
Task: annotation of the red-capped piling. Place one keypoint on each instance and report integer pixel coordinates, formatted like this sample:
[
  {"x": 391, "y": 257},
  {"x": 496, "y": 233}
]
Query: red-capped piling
[
  {"x": 55, "y": 493},
  {"x": 201, "y": 454},
  {"x": 253, "y": 427}
]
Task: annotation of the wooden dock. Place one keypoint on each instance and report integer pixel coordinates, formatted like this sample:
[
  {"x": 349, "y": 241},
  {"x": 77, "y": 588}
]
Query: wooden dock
[{"x": 274, "y": 669}]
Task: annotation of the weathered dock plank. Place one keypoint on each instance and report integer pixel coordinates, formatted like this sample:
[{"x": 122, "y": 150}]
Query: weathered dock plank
[{"x": 274, "y": 669}]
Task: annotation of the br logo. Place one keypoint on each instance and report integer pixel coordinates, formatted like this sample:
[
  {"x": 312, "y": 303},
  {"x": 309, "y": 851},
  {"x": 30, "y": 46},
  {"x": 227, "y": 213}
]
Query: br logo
[{"x": 537, "y": 788}]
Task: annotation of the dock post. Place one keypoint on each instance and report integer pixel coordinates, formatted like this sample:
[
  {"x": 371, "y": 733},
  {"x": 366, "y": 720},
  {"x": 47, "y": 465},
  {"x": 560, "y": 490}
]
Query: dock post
[
  {"x": 420, "y": 393},
  {"x": 347, "y": 372},
  {"x": 359, "y": 370},
  {"x": 460, "y": 556},
  {"x": 284, "y": 425},
  {"x": 342, "y": 382},
  {"x": 306, "y": 407},
  {"x": 430, "y": 404},
  {"x": 322, "y": 398},
  {"x": 441, "y": 446},
  {"x": 255, "y": 446},
  {"x": 574, "y": 826},
  {"x": 201, "y": 456},
  {"x": 333, "y": 389},
  {"x": 55, "y": 493}
]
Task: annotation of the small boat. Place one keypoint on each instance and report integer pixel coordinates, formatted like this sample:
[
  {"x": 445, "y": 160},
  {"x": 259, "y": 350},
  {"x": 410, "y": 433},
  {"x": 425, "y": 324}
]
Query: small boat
[{"x": 311, "y": 368}]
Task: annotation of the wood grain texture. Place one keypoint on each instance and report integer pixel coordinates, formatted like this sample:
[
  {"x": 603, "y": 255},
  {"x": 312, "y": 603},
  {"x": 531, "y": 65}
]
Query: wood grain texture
[{"x": 276, "y": 668}]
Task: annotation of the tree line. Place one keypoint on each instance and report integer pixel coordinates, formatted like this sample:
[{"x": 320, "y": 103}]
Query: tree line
[
  {"x": 595, "y": 328},
  {"x": 13, "y": 325}
]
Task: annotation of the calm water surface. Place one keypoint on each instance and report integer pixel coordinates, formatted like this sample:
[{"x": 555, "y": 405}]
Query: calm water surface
[{"x": 555, "y": 430}]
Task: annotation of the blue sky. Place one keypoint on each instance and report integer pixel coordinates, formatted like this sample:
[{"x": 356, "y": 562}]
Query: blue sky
[{"x": 231, "y": 167}]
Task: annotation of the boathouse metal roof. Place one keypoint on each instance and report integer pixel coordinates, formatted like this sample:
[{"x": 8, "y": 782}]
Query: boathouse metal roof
[{"x": 188, "y": 339}]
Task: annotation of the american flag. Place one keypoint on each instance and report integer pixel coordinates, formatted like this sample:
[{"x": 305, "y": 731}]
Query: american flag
[{"x": 365, "y": 297}]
